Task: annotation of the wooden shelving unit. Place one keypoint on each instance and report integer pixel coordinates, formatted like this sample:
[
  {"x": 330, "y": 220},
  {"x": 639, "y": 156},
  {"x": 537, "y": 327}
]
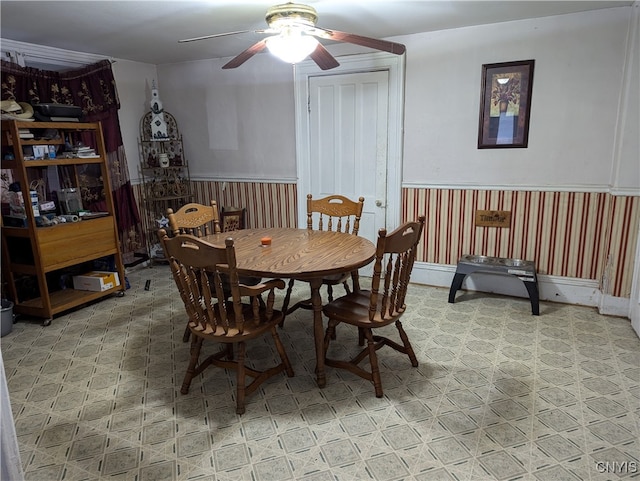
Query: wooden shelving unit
[{"x": 39, "y": 261}]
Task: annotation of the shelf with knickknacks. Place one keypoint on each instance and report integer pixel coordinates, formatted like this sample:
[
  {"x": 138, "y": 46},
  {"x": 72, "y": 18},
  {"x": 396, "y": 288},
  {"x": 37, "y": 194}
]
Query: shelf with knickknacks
[{"x": 164, "y": 170}]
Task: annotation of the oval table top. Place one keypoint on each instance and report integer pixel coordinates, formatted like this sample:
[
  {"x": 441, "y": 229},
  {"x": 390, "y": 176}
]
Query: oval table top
[{"x": 297, "y": 253}]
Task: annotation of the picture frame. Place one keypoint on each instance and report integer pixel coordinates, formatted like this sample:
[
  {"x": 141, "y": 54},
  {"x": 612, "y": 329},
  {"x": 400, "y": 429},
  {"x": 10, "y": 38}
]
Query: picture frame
[{"x": 505, "y": 104}]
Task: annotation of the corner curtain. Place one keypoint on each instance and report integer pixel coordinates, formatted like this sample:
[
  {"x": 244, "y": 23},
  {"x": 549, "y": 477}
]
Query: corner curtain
[{"x": 92, "y": 88}]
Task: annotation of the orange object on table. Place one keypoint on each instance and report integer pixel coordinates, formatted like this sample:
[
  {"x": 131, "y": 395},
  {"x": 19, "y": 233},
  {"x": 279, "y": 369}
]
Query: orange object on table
[{"x": 266, "y": 241}]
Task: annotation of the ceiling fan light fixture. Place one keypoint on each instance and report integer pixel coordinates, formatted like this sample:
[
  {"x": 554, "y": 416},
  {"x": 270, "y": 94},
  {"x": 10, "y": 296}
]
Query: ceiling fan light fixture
[
  {"x": 291, "y": 13},
  {"x": 292, "y": 47},
  {"x": 293, "y": 29}
]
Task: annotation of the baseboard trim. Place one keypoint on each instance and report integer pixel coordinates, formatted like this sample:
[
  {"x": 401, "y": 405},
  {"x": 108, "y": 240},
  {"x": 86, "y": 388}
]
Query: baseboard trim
[
  {"x": 615, "y": 306},
  {"x": 565, "y": 290}
]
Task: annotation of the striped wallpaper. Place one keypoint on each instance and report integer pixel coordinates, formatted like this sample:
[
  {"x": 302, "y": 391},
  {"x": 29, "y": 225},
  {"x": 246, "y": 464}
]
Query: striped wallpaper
[
  {"x": 588, "y": 235},
  {"x": 569, "y": 234},
  {"x": 268, "y": 205}
]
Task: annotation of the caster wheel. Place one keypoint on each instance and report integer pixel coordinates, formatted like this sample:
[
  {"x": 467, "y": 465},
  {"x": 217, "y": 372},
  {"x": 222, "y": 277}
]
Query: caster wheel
[
  {"x": 46, "y": 322},
  {"x": 120, "y": 294}
]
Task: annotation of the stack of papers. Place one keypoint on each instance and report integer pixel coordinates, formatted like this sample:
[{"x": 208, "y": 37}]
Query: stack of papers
[
  {"x": 64, "y": 119},
  {"x": 85, "y": 152},
  {"x": 91, "y": 215}
]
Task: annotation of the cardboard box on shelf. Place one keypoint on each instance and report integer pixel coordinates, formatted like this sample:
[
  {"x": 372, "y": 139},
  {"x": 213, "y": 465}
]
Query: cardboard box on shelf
[{"x": 96, "y": 281}]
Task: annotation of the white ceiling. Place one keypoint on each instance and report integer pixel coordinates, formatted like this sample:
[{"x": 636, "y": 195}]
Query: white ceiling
[{"x": 148, "y": 31}]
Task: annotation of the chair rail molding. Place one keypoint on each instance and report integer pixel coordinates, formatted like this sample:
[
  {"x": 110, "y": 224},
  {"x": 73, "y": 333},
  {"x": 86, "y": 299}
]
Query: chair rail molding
[{"x": 598, "y": 188}]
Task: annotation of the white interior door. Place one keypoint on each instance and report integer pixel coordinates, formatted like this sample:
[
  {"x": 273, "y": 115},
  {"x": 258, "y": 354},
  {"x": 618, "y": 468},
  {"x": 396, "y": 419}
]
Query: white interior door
[
  {"x": 348, "y": 119},
  {"x": 349, "y": 135}
]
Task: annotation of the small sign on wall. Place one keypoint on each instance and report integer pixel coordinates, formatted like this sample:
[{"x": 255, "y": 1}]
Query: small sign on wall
[{"x": 493, "y": 218}]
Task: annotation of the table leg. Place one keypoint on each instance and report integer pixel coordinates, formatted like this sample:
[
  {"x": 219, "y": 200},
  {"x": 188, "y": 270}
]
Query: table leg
[{"x": 318, "y": 331}]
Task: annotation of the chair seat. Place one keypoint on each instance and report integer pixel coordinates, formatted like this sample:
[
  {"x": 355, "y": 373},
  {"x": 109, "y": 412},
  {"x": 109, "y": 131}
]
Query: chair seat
[
  {"x": 250, "y": 281},
  {"x": 354, "y": 309},
  {"x": 335, "y": 279},
  {"x": 246, "y": 280},
  {"x": 252, "y": 328}
]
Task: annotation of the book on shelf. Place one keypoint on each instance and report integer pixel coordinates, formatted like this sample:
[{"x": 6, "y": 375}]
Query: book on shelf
[
  {"x": 85, "y": 152},
  {"x": 64, "y": 119}
]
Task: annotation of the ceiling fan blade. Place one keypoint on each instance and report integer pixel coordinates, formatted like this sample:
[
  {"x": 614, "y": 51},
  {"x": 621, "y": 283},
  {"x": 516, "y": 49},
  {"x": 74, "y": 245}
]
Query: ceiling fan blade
[
  {"x": 323, "y": 58},
  {"x": 375, "y": 43},
  {"x": 219, "y": 35},
  {"x": 246, "y": 55}
]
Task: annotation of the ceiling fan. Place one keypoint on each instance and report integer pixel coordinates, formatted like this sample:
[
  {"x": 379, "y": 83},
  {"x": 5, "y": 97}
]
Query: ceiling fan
[{"x": 295, "y": 37}]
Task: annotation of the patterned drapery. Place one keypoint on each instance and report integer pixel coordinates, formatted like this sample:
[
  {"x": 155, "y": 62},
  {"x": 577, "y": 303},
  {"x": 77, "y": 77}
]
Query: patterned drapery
[{"x": 92, "y": 88}]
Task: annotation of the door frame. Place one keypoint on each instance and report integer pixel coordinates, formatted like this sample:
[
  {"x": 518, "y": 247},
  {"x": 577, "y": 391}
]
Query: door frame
[
  {"x": 634, "y": 301},
  {"x": 395, "y": 65}
]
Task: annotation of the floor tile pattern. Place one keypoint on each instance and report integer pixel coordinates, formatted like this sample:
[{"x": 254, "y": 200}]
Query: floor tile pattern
[{"x": 499, "y": 394}]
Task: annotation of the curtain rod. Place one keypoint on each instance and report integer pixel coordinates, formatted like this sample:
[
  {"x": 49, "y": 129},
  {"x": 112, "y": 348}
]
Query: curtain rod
[{"x": 19, "y": 51}]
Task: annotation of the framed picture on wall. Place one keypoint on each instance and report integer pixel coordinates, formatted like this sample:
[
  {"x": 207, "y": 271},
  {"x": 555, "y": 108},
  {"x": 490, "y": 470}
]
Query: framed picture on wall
[{"x": 505, "y": 104}]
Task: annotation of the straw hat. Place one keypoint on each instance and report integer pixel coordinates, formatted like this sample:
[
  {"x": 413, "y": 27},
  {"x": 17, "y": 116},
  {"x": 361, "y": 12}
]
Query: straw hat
[
  {"x": 9, "y": 106},
  {"x": 17, "y": 110},
  {"x": 27, "y": 111}
]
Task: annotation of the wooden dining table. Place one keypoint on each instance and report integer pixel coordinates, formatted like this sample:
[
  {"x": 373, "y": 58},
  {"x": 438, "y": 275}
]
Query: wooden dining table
[{"x": 302, "y": 254}]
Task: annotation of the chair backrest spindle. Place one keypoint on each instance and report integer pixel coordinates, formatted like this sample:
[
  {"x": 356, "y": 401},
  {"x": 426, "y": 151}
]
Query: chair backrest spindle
[
  {"x": 395, "y": 254},
  {"x": 196, "y": 266}
]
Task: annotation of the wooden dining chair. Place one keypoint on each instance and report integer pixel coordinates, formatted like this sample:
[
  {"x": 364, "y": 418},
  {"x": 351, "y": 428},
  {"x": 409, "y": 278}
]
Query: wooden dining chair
[
  {"x": 200, "y": 220},
  {"x": 332, "y": 213},
  {"x": 233, "y": 218},
  {"x": 382, "y": 305},
  {"x": 195, "y": 219},
  {"x": 197, "y": 269}
]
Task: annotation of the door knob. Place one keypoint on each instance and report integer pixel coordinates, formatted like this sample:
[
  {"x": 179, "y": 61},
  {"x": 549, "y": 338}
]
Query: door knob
[{"x": 378, "y": 203}]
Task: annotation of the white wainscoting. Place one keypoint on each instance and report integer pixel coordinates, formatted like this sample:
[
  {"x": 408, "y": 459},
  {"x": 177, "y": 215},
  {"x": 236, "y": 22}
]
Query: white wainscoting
[{"x": 565, "y": 290}]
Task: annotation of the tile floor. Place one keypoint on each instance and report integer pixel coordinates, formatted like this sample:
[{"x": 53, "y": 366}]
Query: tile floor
[{"x": 499, "y": 395}]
